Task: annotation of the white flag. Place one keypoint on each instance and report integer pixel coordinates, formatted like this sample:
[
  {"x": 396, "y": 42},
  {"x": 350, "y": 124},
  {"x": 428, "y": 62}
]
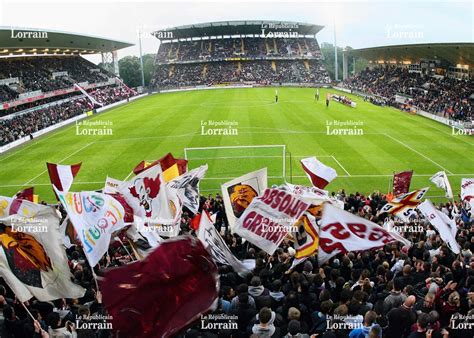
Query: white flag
[
  {"x": 238, "y": 193},
  {"x": 341, "y": 232},
  {"x": 187, "y": 187},
  {"x": 467, "y": 192},
  {"x": 151, "y": 201},
  {"x": 214, "y": 243},
  {"x": 440, "y": 179},
  {"x": 318, "y": 173},
  {"x": 112, "y": 185},
  {"x": 95, "y": 216},
  {"x": 446, "y": 227},
  {"x": 32, "y": 260}
]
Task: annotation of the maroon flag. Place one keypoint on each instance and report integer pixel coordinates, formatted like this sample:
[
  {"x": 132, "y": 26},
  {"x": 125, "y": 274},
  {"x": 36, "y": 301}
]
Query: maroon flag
[
  {"x": 165, "y": 162},
  {"x": 401, "y": 182},
  {"x": 25, "y": 194},
  {"x": 62, "y": 175},
  {"x": 318, "y": 173},
  {"x": 165, "y": 292}
]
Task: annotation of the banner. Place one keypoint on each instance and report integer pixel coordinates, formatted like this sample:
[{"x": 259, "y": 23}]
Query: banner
[
  {"x": 32, "y": 261},
  {"x": 239, "y": 193},
  {"x": 112, "y": 185},
  {"x": 305, "y": 235},
  {"x": 404, "y": 206},
  {"x": 342, "y": 232},
  {"x": 213, "y": 242},
  {"x": 148, "y": 196},
  {"x": 187, "y": 187},
  {"x": 446, "y": 227},
  {"x": 269, "y": 218},
  {"x": 95, "y": 217},
  {"x": 401, "y": 182},
  {"x": 467, "y": 192},
  {"x": 318, "y": 173},
  {"x": 440, "y": 179}
]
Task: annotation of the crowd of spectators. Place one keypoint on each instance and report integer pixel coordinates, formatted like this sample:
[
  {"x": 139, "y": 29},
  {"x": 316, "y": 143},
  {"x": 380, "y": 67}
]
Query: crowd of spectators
[
  {"x": 206, "y": 50},
  {"x": 445, "y": 96},
  {"x": 14, "y": 128},
  {"x": 37, "y": 73},
  {"x": 281, "y": 71},
  {"x": 393, "y": 292}
]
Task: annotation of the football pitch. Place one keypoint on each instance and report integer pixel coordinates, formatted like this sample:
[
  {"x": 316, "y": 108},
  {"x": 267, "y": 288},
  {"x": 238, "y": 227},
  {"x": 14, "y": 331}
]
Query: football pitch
[{"x": 257, "y": 133}]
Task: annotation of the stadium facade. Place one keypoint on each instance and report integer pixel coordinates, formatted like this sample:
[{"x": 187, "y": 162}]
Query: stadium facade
[{"x": 245, "y": 52}]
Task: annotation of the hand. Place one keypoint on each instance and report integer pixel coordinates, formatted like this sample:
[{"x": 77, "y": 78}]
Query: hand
[
  {"x": 98, "y": 297},
  {"x": 37, "y": 326},
  {"x": 445, "y": 333},
  {"x": 429, "y": 333}
]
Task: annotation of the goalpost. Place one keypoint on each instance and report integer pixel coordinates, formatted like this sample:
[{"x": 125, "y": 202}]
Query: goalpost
[{"x": 228, "y": 162}]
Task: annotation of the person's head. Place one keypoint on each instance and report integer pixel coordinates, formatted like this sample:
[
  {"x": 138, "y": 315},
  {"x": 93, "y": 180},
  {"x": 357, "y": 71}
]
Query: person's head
[
  {"x": 53, "y": 320},
  {"x": 294, "y": 313},
  {"x": 423, "y": 322},
  {"x": 375, "y": 331},
  {"x": 276, "y": 285},
  {"x": 406, "y": 270},
  {"x": 294, "y": 327},
  {"x": 454, "y": 299},
  {"x": 369, "y": 318},
  {"x": 83, "y": 311},
  {"x": 8, "y": 312},
  {"x": 398, "y": 284},
  {"x": 264, "y": 316},
  {"x": 409, "y": 302},
  {"x": 255, "y": 281},
  {"x": 429, "y": 299},
  {"x": 326, "y": 307}
]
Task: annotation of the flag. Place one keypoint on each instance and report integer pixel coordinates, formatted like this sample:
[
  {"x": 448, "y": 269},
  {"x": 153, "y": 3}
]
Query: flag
[
  {"x": 187, "y": 187},
  {"x": 311, "y": 195},
  {"x": 32, "y": 261},
  {"x": 141, "y": 167},
  {"x": 95, "y": 217},
  {"x": 239, "y": 193},
  {"x": 341, "y": 232},
  {"x": 213, "y": 242},
  {"x": 147, "y": 195},
  {"x": 9, "y": 206},
  {"x": 467, "y": 192},
  {"x": 306, "y": 235},
  {"x": 269, "y": 218},
  {"x": 166, "y": 162},
  {"x": 171, "y": 173},
  {"x": 111, "y": 185},
  {"x": 404, "y": 205},
  {"x": 68, "y": 233},
  {"x": 401, "y": 182},
  {"x": 446, "y": 226},
  {"x": 318, "y": 173},
  {"x": 26, "y": 194},
  {"x": 440, "y": 179},
  {"x": 62, "y": 175},
  {"x": 162, "y": 294}
]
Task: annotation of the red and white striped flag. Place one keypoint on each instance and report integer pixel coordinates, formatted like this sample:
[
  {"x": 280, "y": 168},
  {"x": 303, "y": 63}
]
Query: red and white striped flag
[
  {"x": 62, "y": 175},
  {"x": 318, "y": 173}
]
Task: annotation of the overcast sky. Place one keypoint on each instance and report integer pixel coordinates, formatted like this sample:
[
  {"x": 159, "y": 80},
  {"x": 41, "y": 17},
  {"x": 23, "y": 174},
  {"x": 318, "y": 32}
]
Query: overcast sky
[{"x": 358, "y": 23}]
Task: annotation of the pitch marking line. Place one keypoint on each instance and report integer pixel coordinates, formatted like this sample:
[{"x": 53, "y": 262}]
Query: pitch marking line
[
  {"x": 64, "y": 159},
  {"x": 335, "y": 159},
  {"x": 416, "y": 151}
]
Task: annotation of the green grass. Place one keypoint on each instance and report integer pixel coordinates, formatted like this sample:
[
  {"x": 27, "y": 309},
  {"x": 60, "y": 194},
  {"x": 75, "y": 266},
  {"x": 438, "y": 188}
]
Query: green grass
[{"x": 150, "y": 127}]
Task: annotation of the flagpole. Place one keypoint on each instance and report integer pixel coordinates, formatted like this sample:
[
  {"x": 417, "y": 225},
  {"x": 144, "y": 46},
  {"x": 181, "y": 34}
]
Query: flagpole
[
  {"x": 24, "y": 306},
  {"x": 123, "y": 246},
  {"x": 128, "y": 176}
]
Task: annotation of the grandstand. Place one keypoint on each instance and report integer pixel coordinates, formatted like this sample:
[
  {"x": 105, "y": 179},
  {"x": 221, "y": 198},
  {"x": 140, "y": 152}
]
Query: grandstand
[
  {"x": 45, "y": 80},
  {"x": 423, "y": 78},
  {"x": 251, "y": 52}
]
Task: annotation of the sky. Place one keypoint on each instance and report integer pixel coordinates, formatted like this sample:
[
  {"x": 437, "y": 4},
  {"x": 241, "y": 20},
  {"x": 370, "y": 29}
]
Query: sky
[{"x": 358, "y": 23}]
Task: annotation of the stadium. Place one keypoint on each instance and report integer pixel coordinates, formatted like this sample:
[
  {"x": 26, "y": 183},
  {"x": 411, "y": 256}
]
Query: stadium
[{"x": 226, "y": 99}]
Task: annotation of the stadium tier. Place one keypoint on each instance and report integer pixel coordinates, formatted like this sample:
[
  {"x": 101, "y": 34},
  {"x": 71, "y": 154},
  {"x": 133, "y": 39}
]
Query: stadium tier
[
  {"x": 38, "y": 91},
  {"x": 239, "y": 52}
]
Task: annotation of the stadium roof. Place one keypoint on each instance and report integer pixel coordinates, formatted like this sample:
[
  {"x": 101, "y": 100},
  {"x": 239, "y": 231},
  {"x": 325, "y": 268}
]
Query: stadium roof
[
  {"x": 220, "y": 28},
  {"x": 15, "y": 41},
  {"x": 452, "y": 53}
]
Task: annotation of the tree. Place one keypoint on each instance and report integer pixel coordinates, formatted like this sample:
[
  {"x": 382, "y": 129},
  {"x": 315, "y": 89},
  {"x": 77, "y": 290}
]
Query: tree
[{"x": 129, "y": 70}]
